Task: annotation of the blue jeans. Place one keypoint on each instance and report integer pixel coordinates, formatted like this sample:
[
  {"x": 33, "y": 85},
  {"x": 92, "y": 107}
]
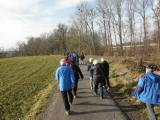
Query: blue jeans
[
  {"x": 151, "y": 112},
  {"x": 91, "y": 82}
]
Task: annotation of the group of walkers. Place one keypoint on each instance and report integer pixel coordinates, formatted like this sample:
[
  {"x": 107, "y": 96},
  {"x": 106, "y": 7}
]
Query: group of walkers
[
  {"x": 69, "y": 73},
  {"x": 147, "y": 89},
  {"x": 74, "y": 57},
  {"x": 98, "y": 74}
]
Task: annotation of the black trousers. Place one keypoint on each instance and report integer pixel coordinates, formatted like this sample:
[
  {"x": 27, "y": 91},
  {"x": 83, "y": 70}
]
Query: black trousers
[
  {"x": 67, "y": 97},
  {"x": 98, "y": 81},
  {"x": 75, "y": 89},
  {"x": 108, "y": 83}
]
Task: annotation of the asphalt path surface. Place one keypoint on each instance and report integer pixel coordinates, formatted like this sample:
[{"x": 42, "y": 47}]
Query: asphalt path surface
[{"x": 86, "y": 106}]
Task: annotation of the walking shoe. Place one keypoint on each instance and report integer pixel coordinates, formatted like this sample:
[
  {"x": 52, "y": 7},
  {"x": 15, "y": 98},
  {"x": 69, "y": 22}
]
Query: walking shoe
[
  {"x": 101, "y": 98},
  {"x": 94, "y": 93},
  {"x": 70, "y": 102},
  {"x": 67, "y": 112},
  {"x": 75, "y": 96},
  {"x": 109, "y": 89}
]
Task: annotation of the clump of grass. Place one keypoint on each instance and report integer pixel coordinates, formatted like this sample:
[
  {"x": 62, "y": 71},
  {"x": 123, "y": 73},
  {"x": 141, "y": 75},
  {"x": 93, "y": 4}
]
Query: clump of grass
[
  {"x": 128, "y": 62},
  {"x": 127, "y": 90},
  {"x": 113, "y": 74}
]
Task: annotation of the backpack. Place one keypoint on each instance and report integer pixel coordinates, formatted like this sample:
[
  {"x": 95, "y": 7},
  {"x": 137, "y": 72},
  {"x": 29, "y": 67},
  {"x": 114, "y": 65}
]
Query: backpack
[{"x": 82, "y": 56}]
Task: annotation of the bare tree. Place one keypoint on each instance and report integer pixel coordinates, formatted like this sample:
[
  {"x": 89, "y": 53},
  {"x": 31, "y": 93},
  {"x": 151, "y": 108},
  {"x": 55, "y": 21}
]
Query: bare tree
[
  {"x": 87, "y": 16},
  {"x": 61, "y": 35},
  {"x": 118, "y": 10},
  {"x": 155, "y": 5},
  {"x": 105, "y": 14},
  {"x": 102, "y": 21},
  {"x": 131, "y": 20},
  {"x": 103, "y": 29},
  {"x": 142, "y": 6},
  {"x": 21, "y": 47}
]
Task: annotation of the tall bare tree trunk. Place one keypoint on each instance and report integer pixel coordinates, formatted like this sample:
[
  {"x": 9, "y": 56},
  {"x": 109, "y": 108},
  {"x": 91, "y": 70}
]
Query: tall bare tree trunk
[
  {"x": 105, "y": 31},
  {"x": 145, "y": 36},
  {"x": 118, "y": 5},
  {"x": 142, "y": 9},
  {"x": 93, "y": 39},
  {"x": 120, "y": 33}
]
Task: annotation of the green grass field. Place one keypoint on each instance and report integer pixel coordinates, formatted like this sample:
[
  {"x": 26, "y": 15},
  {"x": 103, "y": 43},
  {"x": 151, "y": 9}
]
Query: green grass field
[{"x": 25, "y": 85}]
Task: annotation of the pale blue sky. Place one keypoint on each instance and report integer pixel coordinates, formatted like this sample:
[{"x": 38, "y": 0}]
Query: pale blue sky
[{"x": 23, "y": 18}]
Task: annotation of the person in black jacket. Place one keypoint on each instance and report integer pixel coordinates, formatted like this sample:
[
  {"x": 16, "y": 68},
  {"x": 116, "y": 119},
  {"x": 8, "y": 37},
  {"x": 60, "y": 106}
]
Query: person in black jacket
[
  {"x": 82, "y": 57},
  {"x": 105, "y": 65},
  {"x": 99, "y": 76},
  {"x": 77, "y": 74}
]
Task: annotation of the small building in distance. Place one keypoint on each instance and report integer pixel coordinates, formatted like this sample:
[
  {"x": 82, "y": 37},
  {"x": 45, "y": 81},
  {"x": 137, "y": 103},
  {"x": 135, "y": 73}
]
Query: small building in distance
[{"x": 8, "y": 53}]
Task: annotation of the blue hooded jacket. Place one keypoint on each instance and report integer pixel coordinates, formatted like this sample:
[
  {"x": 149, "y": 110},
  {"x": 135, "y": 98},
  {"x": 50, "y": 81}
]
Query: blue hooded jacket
[
  {"x": 65, "y": 76},
  {"x": 149, "y": 84}
]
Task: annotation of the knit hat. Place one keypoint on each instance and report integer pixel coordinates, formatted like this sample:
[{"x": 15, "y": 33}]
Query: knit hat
[
  {"x": 95, "y": 62},
  {"x": 102, "y": 59},
  {"x": 149, "y": 68},
  {"x": 62, "y": 61},
  {"x": 90, "y": 60}
]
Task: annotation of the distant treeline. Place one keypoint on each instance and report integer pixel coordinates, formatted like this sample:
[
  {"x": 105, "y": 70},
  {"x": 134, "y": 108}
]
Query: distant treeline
[
  {"x": 104, "y": 29},
  {"x": 59, "y": 41}
]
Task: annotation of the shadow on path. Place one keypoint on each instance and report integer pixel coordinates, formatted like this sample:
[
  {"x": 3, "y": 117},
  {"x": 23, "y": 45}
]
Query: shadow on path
[
  {"x": 124, "y": 108},
  {"x": 94, "y": 111}
]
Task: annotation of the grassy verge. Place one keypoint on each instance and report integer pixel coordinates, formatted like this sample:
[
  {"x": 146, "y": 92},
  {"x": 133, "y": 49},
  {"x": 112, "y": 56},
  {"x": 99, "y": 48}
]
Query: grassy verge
[{"x": 25, "y": 85}]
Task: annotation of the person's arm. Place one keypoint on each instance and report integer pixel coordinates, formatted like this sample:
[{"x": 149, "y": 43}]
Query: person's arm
[
  {"x": 140, "y": 85},
  {"x": 57, "y": 74},
  {"x": 88, "y": 67},
  {"x": 108, "y": 68},
  {"x": 72, "y": 76},
  {"x": 80, "y": 72},
  {"x": 92, "y": 67}
]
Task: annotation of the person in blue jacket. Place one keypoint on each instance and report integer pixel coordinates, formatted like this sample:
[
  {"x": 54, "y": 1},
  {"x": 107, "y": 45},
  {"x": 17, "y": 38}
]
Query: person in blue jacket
[
  {"x": 66, "y": 79},
  {"x": 148, "y": 91}
]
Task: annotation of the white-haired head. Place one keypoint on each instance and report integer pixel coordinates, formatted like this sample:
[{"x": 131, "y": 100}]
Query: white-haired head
[
  {"x": 90, "y": 60},
  {"x": 149, "y": 69},
  {"x": 95, "y": 62},
  {"x": 62, "y": 62},
  {"x": 102, "y": 59}
]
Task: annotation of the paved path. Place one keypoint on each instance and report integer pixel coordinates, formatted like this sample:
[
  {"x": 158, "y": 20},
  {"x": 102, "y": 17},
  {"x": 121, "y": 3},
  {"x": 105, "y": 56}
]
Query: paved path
[{"x": 86, "y": 106}]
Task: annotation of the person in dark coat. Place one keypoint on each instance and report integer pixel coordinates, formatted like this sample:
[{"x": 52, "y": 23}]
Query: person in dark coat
[
  {"x": 77, "y": 74},
  {"x": 99, "y": 76},
  {"x": 82, "y": 57},
  {"x": 105, "y": 65}
]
